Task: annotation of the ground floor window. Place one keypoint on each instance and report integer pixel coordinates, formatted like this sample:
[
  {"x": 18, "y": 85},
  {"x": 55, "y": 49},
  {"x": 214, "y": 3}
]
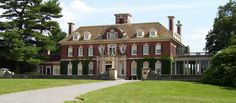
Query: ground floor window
[
  {"x": 158, "y": 67},
  {"x": 69, "y": 69},
  {"x": 80, "y": 68},
  {"x": 56, "y": 69},
  {"x": 133, "y": 68},
  {"x": 91, "y": 68}
]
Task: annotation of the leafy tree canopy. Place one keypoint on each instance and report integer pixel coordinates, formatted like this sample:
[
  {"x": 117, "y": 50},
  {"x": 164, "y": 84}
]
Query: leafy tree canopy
[{"x": 223, "y": 29}]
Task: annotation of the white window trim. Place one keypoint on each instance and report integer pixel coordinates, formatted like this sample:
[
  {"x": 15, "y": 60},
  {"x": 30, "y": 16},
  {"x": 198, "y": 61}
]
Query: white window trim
[
  {"x": 90, "y": 50},
  {"x": 80, "y": 64},
  {"x": 146, "y": 46},
  {"x": 91, "y": 65},
  {"x": 158, "y": 66},
  {"x": 79, "y": 51},
  {"x": 76, "y": 37},
  {"x": 70, "y": 51},
  {"x": 134, "y": 47},
  {"x": 87, "y": 35},
  {"x": 69, "y": 67},
  {"x": 142, "y": 34},
  {"x": 145, "y": 64},
  {"x": 156, "y": 47},
  {"x": 133, "y": 66},
  {"x": 155, "y": 34}
]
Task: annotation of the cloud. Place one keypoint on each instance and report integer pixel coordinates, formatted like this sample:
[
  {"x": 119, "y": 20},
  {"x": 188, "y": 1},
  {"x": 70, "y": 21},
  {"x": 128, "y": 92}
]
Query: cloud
[{"x": 196, "y": 38}]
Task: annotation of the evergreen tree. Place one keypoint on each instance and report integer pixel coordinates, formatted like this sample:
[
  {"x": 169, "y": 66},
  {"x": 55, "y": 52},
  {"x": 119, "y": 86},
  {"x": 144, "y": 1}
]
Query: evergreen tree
[
  {"x": 23, "y": 32},
  {"x": 223, "y": 28}
]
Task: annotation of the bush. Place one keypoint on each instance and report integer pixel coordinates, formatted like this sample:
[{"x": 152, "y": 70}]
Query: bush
[{"x": 223, "y": 68}]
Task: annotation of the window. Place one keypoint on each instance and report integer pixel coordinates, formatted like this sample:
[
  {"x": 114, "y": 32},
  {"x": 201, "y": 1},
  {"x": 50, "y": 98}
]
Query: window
[
  {"x": 70, "y": 51},
  {"x": 158, "y": 67},
  {"x": 87, "y": 35},
  {"x": 90, "y": 50},
  {"x": 122, "y": 69},
  {"x": 153, "y": 34},
  {"x": 69, "y": 69},
  {"x": 145, "y": 64},
  {"x": 76, "y": 37},
  {"x": 140, "y": 33},
  {"x": 112, "y": 34},
  {"x": 158, "y": 49},
  {"x": 134, "y": 49},
  {"x": 91, "y": 68},
  {"x": 133, "y": 68},
  {"x": 56, "y": 69},
  {"x": 145, "y": 49},
  {"x": 111, "y": 49},
  {"x": 80, "y": 68},
  {"x": 80, "y": 51}
]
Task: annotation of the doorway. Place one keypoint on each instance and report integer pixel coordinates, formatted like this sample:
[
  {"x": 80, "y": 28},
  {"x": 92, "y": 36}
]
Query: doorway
[{"x": 108, "y": 67}]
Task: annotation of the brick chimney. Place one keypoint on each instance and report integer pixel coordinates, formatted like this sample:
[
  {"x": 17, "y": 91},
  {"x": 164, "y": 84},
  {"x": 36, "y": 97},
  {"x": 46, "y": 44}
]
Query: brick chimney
[
  {"x": 70, "y": 27},
  {"x": 179, "y": 27},
  {"x": 123, "y": 18},
  {"x": 171, "y": 23}
]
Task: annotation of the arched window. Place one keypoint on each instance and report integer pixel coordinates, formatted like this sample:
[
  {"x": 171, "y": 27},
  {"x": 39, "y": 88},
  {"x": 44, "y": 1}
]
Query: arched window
[
  {"x": 80, "y": 68},
  {"x": 145, "y": 64},
  {"x": 145, "y": 49},
  {"x": 80, "y": 51},
  {"x": 70, "y": 51},
  {"x": 133, "y": 68},
  {"x": 158, "y": 49},
  {"x": 153, "y": 32},
  {"x": 87, "y": 35},
  {"x": 90, "y": 50},
  {"x": 91, "y": 68},
  {"x": 140, "y": 33},
  {"x": 69, "y": 69},
  {"x": 158, "y": 67},
  {"x": 76, "y": 36},
  {"x": 134, "y": 49}
]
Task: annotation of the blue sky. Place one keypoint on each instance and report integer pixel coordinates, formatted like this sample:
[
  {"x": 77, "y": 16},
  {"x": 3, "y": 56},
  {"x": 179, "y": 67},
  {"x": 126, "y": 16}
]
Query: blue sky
[{"x": 197, "y": 16}]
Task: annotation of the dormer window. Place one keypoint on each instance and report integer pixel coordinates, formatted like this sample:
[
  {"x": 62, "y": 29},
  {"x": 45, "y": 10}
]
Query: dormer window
[
  {"x": 152, "y": 32},
  {"x": 87, "y": 35},
  {"x": 140, "y": 33},
  {"x": 112, "y": 34},
  {"x": 76, "y": 36}
]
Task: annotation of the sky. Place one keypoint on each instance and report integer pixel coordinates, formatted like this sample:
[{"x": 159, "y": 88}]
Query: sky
[{"x": 196, "y": 16}]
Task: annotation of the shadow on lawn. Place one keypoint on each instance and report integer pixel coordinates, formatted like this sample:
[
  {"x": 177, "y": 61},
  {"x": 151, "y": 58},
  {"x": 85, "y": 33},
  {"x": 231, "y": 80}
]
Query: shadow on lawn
[{"x": 221, "y": 87}]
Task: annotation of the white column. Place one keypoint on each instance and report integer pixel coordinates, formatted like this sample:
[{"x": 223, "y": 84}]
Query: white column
[
  {"x": 200, "y": 68},
  {"x": 196, "y": 67},
  {"x": 188, "y": 69},
  {"x": 175, "y": 67}
]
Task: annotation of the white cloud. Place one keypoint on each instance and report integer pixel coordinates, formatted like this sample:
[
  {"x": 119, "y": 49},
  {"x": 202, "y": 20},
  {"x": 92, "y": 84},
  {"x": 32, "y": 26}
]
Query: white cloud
[{"x": 196, "y": 39}]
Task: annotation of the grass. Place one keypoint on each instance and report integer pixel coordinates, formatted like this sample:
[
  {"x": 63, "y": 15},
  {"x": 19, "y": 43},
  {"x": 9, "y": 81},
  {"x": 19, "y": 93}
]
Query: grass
[
  {"x": 161, "y": 92},
  {"x": 16, "y": 85}
]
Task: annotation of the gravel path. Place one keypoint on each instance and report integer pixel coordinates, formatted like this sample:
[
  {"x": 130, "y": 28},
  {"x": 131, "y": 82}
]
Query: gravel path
[{"x": 56, "y": 94}]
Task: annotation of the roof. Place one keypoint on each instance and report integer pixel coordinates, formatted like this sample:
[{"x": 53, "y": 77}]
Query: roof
[{"x": 128, "y": 29}]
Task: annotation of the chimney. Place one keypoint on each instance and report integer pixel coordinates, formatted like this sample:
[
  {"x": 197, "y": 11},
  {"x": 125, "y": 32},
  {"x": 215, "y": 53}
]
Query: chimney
[
  {"x": 179, "y": 27},
  {"x": 70, "y": 27},
  {"x": 171, "y": 23},
  {"x": 123, "y": 18}
]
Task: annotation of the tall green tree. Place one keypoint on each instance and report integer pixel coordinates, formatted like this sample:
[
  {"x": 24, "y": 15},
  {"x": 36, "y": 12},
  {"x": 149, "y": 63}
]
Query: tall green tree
[
  {"x": 22, "y": 32},
  {"x": 223, "y": 29}
]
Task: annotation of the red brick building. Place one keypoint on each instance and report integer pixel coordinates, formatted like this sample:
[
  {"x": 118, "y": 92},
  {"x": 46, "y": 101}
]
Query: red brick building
[{"x": 124, "y": 46}]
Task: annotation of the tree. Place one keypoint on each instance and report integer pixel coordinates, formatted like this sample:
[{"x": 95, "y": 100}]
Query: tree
[
  {"x": 22, "y": 32},
  {"x": 223, "y": 28}
]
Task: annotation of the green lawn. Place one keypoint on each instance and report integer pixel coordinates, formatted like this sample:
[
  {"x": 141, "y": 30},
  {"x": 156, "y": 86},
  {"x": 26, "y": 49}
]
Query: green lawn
[
  {"x": 16, "y": 85},
  {"x": 161, "y": 92}
]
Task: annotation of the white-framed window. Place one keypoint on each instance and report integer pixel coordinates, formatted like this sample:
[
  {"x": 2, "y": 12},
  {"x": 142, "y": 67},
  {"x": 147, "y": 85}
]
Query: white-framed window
[
  {"x": 91, "y": 68},
  {"x": 145, "y": 49},
  {"x": 80, "y": 68},
  {"x": 90, "y": 50},
  {"x": 69, "y": 69},
  {"x": 56, "y": 69},
  {"x": 111, "y": 49},
  {"x": 158, "y": 49},
  {"x": 153, "y": 32},
  {"x": 87, "y": 35},
  {"x": 133, "y": 68},
  {"x": 76, "y": 37},
  {"x": 145, "y": 64},
  {"x": 134, "y": 49},
  {"x": 112, "y": 34},
  {"x": 158, "y": 67},
  {"x": 80, "y": 51},
  {"x": 140, "y": 33},
  {"x": 70, "y": 51}
]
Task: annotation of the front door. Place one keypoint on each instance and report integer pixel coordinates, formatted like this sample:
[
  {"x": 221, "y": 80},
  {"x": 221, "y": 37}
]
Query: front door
[
  {"x": 108, "y": 67},
  {"x": 48, "y": 70}
]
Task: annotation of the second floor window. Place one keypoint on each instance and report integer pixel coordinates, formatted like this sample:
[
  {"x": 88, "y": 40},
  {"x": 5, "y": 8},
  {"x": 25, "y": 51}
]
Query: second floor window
[
  {"x": 158, "y": 49},
  {"x": 145, "y": 49},
  {"x": 70, "y": 52},
  {"x": 90, "y": 50},
  {"x": 80, "y": 51},
  {"x": 134, "y": 49}
]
